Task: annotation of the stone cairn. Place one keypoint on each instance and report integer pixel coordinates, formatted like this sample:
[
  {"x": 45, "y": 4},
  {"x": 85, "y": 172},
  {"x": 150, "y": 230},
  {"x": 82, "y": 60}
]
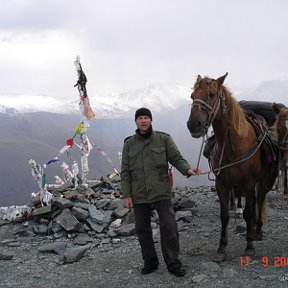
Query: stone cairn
[{"x": 86, "y": 214}]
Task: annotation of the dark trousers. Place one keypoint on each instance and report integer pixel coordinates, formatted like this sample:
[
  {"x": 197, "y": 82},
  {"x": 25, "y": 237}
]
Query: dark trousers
[{"x": 168, "y": 233}]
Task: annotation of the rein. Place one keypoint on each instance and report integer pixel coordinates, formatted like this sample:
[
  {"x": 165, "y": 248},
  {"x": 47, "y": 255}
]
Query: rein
[
  {"x": 222, "y": 152},
  {"x": 211, "y": 110},
  {"x": 250, "y": 153}
]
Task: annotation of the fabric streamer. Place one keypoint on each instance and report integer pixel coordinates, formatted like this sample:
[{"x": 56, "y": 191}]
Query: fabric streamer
[
  {"x": 85, "y": 145},
  {"x": 102, "y": 152}
]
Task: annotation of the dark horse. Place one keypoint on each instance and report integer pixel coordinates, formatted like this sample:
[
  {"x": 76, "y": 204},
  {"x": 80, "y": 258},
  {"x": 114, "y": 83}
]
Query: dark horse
[
  {"x": 280, "y": 129},
  {"x": 238, "y": 160}
]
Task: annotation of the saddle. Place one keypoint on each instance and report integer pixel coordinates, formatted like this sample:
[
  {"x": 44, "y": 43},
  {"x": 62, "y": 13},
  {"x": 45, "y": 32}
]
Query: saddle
[
  {"x": 265, "y": 109},
  {"x": 260, "y": 126}
]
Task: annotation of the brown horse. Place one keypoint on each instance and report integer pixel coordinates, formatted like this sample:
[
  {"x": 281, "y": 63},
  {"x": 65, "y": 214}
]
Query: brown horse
[
  {"x": 238, "y": 157},
  {"x": 280, "y": 128}
]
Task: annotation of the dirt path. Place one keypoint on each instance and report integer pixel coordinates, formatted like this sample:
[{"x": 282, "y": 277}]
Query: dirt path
[{"x": 118, "y": 265}]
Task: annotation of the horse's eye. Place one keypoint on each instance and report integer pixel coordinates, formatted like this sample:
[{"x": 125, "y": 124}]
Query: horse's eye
[{"x": 210, "y": 96}]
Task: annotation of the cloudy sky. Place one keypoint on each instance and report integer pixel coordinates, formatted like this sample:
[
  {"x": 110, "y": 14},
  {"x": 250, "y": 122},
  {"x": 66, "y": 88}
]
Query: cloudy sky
[{"x": 126, "y": 44}]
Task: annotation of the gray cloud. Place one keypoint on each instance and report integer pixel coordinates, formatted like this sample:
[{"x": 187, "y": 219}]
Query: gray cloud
[{"x": 126, "y": 44}]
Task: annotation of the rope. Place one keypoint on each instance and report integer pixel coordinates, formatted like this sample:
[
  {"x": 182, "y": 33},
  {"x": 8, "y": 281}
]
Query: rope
[
  {"x": 199, "y": 157},
  {"x": 236, "y": 162}
]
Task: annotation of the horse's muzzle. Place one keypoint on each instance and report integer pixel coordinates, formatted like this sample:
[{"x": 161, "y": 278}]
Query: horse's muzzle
[{"x": 196, "y": 128}]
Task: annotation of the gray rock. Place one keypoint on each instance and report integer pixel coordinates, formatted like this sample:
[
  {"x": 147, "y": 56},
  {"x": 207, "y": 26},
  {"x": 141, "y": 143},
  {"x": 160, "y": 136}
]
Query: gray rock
[
  {"x": 185, "y": 215},
  {"x": 62, "y": 203},
  {"x": 120, "y": 212},
  {"x": 80, "y": 213},
  {"x": 96, "y": 215},
  {"x": 74, "y": 254},
  {"x": 56, "y": 247},
  {"x": 99, "y": 228},
  {"x": 116, "y": 204},
  {"x": 209, "y": 267},
  {"x": 82, "y": 239},
  {"x": 125, "y": 230},
  {"x": 41, "y": 229},
  {"x": 67, "y": 220},
  {"x": 186, "y": 203},
  {"x": 83, "y": 205},
  {"x": 103, "y": 203},
  {"x": 5, "y": 255}
]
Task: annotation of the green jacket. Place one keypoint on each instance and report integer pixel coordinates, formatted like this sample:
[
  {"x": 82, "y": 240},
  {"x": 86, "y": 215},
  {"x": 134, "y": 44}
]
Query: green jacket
[{"x": 144, "y": 169}]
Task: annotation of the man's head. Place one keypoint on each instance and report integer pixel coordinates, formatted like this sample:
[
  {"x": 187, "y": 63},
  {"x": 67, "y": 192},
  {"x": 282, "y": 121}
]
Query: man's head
[
  {"x": 143, "y": 119},
  {"x": 143, "y": 112}
]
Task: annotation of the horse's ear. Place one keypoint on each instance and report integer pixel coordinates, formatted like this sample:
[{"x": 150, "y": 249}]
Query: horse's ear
[
  {"x": 221, "y": 79},
  {"x": 198, "y": 78},
  {"x": 276, "y": 108}
]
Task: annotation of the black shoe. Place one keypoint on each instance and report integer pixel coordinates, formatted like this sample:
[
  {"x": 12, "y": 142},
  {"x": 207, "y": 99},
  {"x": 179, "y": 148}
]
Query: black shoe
[
  {"x": 178, "y": 272},
  {"x": 149, "y": 269}
]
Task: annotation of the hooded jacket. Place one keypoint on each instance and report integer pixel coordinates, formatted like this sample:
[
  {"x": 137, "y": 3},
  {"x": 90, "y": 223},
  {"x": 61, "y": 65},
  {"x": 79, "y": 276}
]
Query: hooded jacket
[{"x": 144, "y": 169}]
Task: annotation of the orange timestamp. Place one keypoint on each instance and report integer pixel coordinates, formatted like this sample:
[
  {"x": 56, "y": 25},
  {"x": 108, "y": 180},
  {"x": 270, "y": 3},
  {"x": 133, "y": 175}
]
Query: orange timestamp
[{"x": 266, "y": 261}]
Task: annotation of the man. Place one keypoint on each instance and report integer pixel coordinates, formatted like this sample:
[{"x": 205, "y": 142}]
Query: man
[{"x": 145, "y": 186}]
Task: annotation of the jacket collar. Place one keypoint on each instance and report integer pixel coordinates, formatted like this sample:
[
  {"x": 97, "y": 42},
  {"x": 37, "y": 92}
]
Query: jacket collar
[{"x": 146, "y": 136}]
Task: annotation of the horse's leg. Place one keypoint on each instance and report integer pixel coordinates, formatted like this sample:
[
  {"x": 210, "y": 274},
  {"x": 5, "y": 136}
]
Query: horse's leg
[
  {"x": 262, "y": 188},
  {"x": 223, "y": 194},
  {"x": 285, "y": 179},
  {"x": 239, "y": 209},
  {"x": 261, "y": 192},
  {"x": 232, "y": 199},
  {"x": 235, "y": 193},
  {"x": 249, "y": 215}
]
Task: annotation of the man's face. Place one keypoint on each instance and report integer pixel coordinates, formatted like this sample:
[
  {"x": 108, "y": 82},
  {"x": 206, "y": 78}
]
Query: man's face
[{"x": 143, "y": 123}]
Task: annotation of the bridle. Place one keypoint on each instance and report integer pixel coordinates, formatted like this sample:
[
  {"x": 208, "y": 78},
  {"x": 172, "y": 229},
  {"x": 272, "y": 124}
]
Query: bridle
[{"x": 211, "y": 110}]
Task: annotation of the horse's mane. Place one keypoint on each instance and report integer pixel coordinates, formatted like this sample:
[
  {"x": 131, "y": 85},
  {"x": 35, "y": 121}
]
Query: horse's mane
[{"x": 238, "y": 118}]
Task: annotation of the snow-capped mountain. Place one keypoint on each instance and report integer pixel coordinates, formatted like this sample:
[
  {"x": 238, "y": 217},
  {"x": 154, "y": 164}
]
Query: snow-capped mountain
[
  {"x": 34, "y": 103},
  {"x": 158, "y": 97},
  {"x": 7, "y": 110},
  {"x": 270, "y": 91}
]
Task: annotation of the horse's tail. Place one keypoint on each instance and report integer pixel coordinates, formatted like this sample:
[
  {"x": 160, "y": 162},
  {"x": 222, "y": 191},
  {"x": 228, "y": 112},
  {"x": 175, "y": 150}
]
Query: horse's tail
[{"x": 264, "y": 210}]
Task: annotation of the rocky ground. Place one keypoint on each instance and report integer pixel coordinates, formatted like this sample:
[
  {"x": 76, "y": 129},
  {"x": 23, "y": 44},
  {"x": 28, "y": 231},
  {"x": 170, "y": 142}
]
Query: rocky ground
[{"x": 117, "y": 263}]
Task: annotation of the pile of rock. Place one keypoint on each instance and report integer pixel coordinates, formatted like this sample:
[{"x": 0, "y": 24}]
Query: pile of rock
[
  {"x": 90, "y": 215},
  {"x": 97, "y": 208}
]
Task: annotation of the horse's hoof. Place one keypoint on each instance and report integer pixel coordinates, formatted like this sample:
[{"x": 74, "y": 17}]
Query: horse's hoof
[
  {"x": 219, "y": 258},
  {"x": 239, "y": 216},
  {"x": 259, "y": 236},
  {"x": 239, "y": 213},
  {"x": 250, "y": 251}
]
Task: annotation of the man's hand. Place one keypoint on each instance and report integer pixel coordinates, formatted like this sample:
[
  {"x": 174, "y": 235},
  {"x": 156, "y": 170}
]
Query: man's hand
[
  {"x": 194, "y": 171},
  {"x": 128, "y": 203}
]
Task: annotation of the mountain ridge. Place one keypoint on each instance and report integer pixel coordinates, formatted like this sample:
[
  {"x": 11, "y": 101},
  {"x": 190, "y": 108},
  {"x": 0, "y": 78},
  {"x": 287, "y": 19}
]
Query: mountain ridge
[{"x": 158, "y": 97}]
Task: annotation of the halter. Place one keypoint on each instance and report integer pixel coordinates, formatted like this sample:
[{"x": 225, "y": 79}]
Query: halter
[{"x": 211, "y": 110}]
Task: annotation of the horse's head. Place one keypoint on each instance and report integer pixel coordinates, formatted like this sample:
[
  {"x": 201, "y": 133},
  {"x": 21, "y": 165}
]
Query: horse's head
[
  {"x": 281, "y": 126},
  {"x": 206, "y": 96}
]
